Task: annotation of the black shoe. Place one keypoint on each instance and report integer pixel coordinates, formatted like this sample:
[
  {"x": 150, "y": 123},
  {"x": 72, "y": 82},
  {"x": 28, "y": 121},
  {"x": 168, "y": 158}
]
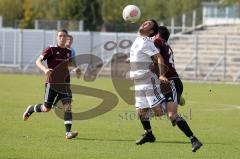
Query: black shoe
[
  {"x": 27, "y": 113},
  {"x": 196, "y": 144},
  {"x": 147, "y": 137}
]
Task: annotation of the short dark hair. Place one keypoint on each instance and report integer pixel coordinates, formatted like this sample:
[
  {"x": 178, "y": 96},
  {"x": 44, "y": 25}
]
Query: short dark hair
[
  {"x": 154, "y": 28},
  {"x": 70, "y": 36},
  {"x": 63, "y": 30},
  {"x": 164, "y": 32}
]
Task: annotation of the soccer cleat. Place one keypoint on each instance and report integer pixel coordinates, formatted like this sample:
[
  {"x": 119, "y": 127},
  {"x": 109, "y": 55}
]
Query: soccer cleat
[
  {"x": 196, "y": 144},
  {"x": 71, "y": 135},
  {"x": 27, "y": 113},
  {"x": 146, "y": 137}
]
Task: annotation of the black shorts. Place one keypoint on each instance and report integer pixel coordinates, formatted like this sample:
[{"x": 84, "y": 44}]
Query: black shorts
[
  {"x": 55, "y": 93},
  {"x": 172, "y": 90}
]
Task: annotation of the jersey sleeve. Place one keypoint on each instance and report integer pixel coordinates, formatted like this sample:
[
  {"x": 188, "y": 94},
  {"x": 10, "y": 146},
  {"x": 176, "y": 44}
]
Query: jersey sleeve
[
  {"x": 150, "y": 48},
  {"x": 158, "y": 42},
  {"x": 73, "y": 54},
  {"x": 46, "y": 53}
]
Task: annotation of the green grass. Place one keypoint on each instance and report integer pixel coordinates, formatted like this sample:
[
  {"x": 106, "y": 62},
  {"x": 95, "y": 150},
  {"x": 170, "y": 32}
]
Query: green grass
[{"x": 213, "y": 115}]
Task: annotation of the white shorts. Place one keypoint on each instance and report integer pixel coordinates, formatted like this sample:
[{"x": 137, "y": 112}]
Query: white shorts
[{"x": 147, "y": 92}]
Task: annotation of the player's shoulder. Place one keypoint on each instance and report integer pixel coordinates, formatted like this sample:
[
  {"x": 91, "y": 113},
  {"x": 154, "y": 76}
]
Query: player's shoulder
[
  {"x": 159, "y": 41},
  {"x": 143, "y": 38},
  {"x": 52, "y": 46},
  {"x": 147, "y": 39}
]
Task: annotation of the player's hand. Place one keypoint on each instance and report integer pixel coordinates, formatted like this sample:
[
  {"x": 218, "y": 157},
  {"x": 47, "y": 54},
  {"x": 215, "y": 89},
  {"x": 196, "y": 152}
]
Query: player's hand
[
  {"x": 78, "y": 72},
  {"x": 151, "y": 67},
  {"x": 48, "y": 72},
  {"x": 163, "y": 79},
  {"x": 127, "y": 60}
]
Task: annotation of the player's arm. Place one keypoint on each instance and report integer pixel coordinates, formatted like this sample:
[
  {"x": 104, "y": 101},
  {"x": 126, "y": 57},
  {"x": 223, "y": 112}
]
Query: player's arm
[
  {"x": 73, "y": 67},
  {"x": 158, "y": 57},
  {"x": 40, "y": 65},
  {"x": 127, "y": 60}
]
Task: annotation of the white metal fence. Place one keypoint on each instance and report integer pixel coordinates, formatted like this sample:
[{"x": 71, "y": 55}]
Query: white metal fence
[
  {"x": 198, "y": 57},
  {"x": 186, "y": 22},
  {"x": 20, "y": 48},
  {"x": 207, "y": 57}
]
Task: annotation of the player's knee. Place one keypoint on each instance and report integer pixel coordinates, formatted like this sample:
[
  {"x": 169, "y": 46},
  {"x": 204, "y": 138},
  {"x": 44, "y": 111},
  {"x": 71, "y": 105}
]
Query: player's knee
[
  {"x": 157, "y": 111},
  {"x": 142, "y": 111},
  {"x": 67, "y": 107},
  {"x": 172, "y": 116},
  {"x": 175, "y": 119},
  {"x": 45, "y": 109}
]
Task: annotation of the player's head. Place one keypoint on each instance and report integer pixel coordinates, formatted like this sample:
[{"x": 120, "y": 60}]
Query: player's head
[
  {"x": 164, "y": 32},
  {"x": 62, "y": 37},
  {"x": 69, "y": 41},
  {"x": 148, "y": 28}
]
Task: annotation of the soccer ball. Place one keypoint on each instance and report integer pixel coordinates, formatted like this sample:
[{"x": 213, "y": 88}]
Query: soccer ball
[{"x": 131, "y": 13}]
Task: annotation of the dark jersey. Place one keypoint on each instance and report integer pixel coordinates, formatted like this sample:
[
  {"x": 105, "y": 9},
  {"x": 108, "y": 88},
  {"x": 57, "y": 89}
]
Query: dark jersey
[
  {"x": 57, "y": 58},
  {"x": 167, "y": 54}
]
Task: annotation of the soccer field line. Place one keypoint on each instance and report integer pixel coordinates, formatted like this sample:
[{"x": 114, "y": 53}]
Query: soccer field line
[{"x": 226, "y": 106}]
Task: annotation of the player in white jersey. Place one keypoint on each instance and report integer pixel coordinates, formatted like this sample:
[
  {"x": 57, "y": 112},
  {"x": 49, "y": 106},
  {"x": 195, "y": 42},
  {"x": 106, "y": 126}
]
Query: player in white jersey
[{"x": 147, "y": 90}]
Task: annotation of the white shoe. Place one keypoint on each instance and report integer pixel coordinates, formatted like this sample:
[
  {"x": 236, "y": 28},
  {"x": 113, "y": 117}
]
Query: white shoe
[{"x": 71, "y": 135}]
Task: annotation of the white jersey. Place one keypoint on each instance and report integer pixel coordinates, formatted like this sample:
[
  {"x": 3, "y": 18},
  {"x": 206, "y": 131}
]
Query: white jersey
[{"x": 140, "y": 57}]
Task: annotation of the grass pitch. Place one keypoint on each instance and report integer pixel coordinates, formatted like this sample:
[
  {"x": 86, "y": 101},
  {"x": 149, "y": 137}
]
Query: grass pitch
[{"x": 212, "y": 111}]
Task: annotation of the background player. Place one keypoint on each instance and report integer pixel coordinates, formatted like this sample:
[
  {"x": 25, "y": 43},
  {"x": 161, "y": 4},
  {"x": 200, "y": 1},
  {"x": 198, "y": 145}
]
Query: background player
[
  {"x": 58, "y": 81},
  {"x": 68, "y": 44}
]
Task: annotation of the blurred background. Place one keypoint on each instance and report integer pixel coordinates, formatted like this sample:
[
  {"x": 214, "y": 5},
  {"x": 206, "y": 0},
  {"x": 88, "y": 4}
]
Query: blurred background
[{"x": 205, "y": 34}]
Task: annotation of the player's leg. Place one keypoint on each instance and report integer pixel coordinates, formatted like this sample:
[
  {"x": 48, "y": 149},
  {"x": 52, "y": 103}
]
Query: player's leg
[
  {"x": 152, "y": 99},
  {"x": 143, "y": 114},
  {"x": 68, "y": 121},
  {"x": 172, "y": 106},
  {"x": 158, "y": 112},
  {"x": 142, "y": 108},
  {"x": 144, "y": 118},
  {"x": 50, "y": 95},
  {"x": 66, "y": 99},
  {"x": 182, "y": 125},
  {"x": 179, "y": 89},
  {"x": 154, "y": 96}
]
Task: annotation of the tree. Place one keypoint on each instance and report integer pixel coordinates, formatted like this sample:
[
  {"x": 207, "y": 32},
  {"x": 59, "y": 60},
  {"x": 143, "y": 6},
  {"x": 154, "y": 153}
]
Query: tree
[
  {"x": 27, "y": 21},
  {"x": 92, "y": 15},
  {"x": 10, "y": 11},
  {"x": 230, "y": 1},
  {"x": 46, "y": 11},
  {"x": 89, "y": 11}
]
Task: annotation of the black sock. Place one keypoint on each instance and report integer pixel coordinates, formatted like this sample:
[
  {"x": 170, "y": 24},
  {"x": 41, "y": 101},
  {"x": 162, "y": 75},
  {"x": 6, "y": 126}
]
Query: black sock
[
  {"x": 146, "y": 124},
  {"x": 37, "y": 108},
  {"x": 68, "y": 127},
  {"x": 31, "y": 110},
  {"x": 183, "y": 125},
  {"x": 68, "y": 120}
]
